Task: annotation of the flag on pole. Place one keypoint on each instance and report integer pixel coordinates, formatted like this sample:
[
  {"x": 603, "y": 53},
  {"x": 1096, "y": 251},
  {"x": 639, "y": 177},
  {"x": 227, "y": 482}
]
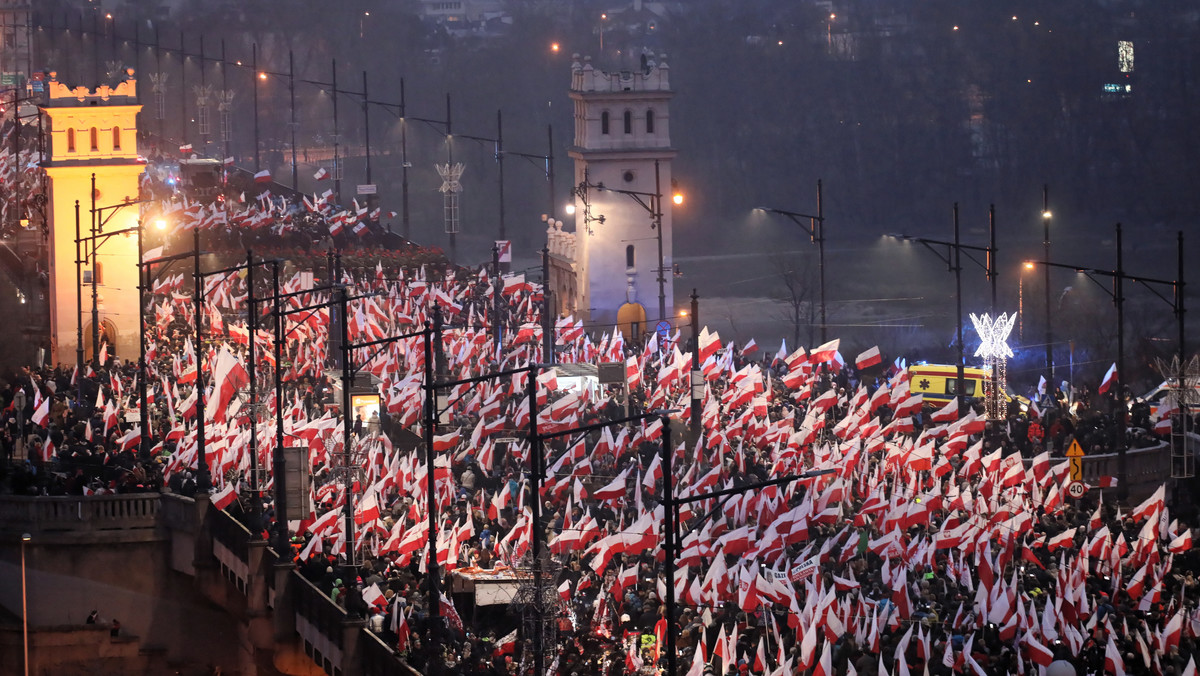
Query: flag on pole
[
  {"x": 263, "y": 176},
  {"x": 321, "y": 174},
  {"x": 1108, "y": 380}
]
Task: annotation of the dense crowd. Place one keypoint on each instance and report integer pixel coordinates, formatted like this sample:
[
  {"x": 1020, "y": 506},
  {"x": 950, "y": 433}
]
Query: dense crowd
[{"x": 934, "y": 542}]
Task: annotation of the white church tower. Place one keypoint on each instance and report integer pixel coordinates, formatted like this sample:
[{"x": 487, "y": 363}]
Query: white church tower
[{"x": 622, "y": 143}]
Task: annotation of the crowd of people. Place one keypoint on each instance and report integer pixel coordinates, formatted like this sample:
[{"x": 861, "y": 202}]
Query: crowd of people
[{"x": 921, "y": 538}]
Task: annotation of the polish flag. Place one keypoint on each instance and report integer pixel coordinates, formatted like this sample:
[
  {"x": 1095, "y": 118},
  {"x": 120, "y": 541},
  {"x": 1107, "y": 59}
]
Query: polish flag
[
  {"x": 42, "y": 413},
  {"x": 228, "y": 161},
  {"x": 1182, "y": 543},
  {"x": 1112, "y": 659},
  {"x": 947, "y": 413},
  {"x": 868, "y": 359},
  {"x": 225, "y": 497},
  {"x": 321, "y": 174},
  {"x": 185, "y": 149},
  {"x": 1108, "y": 380},
  {"x": 263, "y": 176},
  {"x": 825, "y": 352},
  {"x": 445, "y": 442},
  {"x": 1063, "y": 539},
  {"x": 709, "y": 343}
]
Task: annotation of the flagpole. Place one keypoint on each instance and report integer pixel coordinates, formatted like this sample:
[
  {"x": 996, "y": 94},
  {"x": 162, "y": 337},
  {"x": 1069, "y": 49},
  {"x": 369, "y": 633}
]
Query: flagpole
[
  {"x": 354, "y": 594},
  {"x": 432, "y": 333},
  {"x": 203, "y": 478},
  {"x": 535, "y": 471},
  {"x": 1122, "y": 410},
  {"x": 960, "y": 384},
  {"x": 697, "y": 389},
  {"x": 143, "y": 414},
  {"x": 669, "y": 525}
]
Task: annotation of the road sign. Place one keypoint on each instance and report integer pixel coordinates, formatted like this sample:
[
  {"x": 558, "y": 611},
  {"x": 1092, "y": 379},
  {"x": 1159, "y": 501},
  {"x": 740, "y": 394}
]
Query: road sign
[
  {"x": 1076, "y": 489},
  {"x": 1075, "y": 457},
  {"x": 664, "y": 331}
]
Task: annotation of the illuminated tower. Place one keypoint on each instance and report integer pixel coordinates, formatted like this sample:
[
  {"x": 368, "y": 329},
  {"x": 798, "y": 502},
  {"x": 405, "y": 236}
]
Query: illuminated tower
[
  {"x": 623, "y": 142},
  {"x": 93, "y": 132}
]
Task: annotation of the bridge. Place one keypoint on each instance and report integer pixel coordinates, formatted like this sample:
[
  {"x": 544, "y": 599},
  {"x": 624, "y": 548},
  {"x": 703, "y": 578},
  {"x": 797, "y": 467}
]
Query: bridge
[{"x": 189, "y": 584}]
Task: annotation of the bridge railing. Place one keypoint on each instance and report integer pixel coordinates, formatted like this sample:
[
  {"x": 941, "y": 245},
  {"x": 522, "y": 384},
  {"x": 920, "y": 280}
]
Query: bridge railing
[
  {"x": 319, "y": 621},
  {"x": 380, "y": 660},
  {"x": 231, "y": 547},
  {"x": 127, "y": 516}
]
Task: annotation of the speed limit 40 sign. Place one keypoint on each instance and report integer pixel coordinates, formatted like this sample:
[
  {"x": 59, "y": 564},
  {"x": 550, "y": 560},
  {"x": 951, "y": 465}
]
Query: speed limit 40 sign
[{"x": 1076, "y": 489}]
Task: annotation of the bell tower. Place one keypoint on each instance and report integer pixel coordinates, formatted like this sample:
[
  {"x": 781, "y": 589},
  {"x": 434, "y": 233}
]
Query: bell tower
[
  {"x": 93, "y": 133},
  {"x": 622, "y": 152}
]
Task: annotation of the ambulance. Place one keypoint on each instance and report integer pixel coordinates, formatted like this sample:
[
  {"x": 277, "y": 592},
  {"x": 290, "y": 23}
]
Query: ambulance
[{"x": 938, "y": 383}]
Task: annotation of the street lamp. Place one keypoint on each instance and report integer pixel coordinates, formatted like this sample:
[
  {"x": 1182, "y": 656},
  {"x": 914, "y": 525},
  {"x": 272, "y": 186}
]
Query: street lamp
[
  {"x": 953, "y": 260},
  {"x": 1117, "y": 293},
  {"x": 1046, "y": 215},
  {"x": 652, "y": 203},
  {"x": 815, "y": 227},
  {"x": 25, "y": 538}
]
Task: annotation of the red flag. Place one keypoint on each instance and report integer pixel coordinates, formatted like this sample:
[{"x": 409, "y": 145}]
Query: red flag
[{"x": 263, "y": 176}]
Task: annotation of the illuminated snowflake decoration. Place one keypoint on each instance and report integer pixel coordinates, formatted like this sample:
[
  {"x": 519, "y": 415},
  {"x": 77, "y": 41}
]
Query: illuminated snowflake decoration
[
  {"x": 993, "y": 335},
  {"x": 993, "y": 347}
]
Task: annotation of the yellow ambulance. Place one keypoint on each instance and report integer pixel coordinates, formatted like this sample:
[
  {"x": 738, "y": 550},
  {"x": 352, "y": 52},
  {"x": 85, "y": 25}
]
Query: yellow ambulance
[{"x": 938, "y": 383}]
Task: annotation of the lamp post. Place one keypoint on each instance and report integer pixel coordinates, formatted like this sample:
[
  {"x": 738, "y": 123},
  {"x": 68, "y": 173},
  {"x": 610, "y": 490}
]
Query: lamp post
[
  {"x": 1046, "y": 259},
  {"x": 652, "y": 203},
  {"x": 815, "y": 227},
  {"x": 1117, "y": 293},
  {"x": 952, "y": 257},
  {"x": 25, "y": 538}
]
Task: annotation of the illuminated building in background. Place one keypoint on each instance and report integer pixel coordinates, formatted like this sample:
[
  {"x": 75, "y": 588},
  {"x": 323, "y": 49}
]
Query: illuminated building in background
[{"x": 93, "y": 132}]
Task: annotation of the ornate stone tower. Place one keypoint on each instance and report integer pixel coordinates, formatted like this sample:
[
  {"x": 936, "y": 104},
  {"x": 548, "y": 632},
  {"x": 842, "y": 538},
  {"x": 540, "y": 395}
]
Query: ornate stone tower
[
  {"x": 623, "y": 143},
  {"x": 93, "y": 133}
]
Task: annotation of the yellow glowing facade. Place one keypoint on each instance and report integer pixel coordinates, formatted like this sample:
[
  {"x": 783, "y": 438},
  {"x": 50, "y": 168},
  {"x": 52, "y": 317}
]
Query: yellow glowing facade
[{"x": 93, "y": 132}]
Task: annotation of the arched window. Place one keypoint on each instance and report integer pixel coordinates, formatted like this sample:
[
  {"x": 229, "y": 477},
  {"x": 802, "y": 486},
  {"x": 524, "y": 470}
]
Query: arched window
[
  {"x": 604, "y": 122},
  {"x": 628, "y": 122},
  {"x": 630, "y": 258},
  {"x": 95, "y": 139},
  {"x": 116, "y": 138},
  {"x": 70, "y": 140},
  {"x": 650, "y": 121}
]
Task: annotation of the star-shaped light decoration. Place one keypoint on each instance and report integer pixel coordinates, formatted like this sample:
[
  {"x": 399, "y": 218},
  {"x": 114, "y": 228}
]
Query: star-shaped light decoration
[{"x": 993, "y": 335}]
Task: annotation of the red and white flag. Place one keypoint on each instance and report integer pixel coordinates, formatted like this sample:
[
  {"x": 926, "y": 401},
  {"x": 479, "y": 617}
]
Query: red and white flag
[
  {"x": 321, "y": 174},
  {"x": 1108, "y": 380},
  {"x": 868, "y": 359},
  {"x": 825, "y": 352},
  {"x": 263, "y": 176},
  {"x": 225, "y": 497},
  {"x": 42, "y": 413},
  {"x": 185, "y": 149},
  {"x": 947, "y": 413}
]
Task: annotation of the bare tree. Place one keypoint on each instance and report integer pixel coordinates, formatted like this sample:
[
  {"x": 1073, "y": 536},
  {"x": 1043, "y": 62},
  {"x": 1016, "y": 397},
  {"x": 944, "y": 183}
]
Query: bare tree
[{"x": 796, "y": 293}]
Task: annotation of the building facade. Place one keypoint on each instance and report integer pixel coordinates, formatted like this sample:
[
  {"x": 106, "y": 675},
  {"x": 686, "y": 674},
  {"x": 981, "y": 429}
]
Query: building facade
[
  {"x": 622, "y": 218},
  {"x": 93, "y": 133}
]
